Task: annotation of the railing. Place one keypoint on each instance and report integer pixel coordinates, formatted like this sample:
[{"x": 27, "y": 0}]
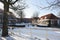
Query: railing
[{"x": 36, "y": 33}]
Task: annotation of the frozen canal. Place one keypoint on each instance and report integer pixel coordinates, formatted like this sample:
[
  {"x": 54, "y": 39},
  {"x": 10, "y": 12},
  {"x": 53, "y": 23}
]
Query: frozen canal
[
  {"x": 32, "y": 33},
  {"x": 37, "y": 33}
]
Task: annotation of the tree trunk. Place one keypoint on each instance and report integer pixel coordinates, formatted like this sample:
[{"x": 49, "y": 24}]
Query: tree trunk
[
  {"x": 21, "y": 17},
  {"x": 5, "y": 19}
]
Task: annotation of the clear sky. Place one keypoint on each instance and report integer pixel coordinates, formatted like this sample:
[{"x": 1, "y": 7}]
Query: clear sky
[{"x": 34, "y": 6}]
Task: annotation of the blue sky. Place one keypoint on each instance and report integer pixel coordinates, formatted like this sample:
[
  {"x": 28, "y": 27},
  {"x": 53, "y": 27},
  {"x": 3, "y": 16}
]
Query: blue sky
[{"x": 34, "y": 6}]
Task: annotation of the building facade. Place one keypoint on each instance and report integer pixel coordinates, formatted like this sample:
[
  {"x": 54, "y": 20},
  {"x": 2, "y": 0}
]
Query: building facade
[
  {"x": 53, "y": 20},
  {"x": 11, "y": 18}
]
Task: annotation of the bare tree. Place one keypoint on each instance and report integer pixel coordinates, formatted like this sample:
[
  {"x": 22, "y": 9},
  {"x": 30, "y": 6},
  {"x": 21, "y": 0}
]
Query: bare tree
[
  {"x": 52, "y": 5},
  {"x": 21, "y": 14},
  {"x": 35, "y": 16},
  {"x": 20, "y": 5},
  {"x": 6, "y": 3},
  {"x": 19, "y": 8}
]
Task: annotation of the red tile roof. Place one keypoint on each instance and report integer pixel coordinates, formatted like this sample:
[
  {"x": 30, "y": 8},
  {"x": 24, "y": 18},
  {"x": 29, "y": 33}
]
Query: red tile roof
[{"x": 49, "y": 16}]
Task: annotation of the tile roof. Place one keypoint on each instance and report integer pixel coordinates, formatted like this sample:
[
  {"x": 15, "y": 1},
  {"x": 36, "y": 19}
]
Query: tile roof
[{"x": 49, "y": 16}]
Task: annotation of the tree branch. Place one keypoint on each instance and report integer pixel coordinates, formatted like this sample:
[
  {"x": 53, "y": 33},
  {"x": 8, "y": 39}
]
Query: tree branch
[
  {"x": 11, "y": 4},
  {"x": 14, "y": 8},
  {"x": 22, "y": 8},
  {"x": 17, "y": 8},
  {"x": 14, "y": 2},
  {"x": 53, "y": 4},
  {"x": 2, "y": 1}
]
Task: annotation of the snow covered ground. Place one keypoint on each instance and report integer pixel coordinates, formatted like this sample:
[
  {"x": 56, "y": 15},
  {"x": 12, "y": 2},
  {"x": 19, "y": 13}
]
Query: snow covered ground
[{"x": 33, "y": 33}]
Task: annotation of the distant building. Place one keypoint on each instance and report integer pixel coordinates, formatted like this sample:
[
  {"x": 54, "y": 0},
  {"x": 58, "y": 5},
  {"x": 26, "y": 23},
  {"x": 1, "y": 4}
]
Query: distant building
[
  {"x": 24, "y": 20},
  {"x": 54, "y": 20},
  {"x": 11, "y": 17},
  {"x": 35, "y": 20}
]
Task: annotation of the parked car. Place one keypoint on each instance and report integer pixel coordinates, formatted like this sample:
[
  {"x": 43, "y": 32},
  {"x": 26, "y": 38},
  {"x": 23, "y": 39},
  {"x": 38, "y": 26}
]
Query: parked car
[
  {"x": 42, "y": 25},
  {"x": 11, "y": 24},
  {"x": 20, "y": 25}
]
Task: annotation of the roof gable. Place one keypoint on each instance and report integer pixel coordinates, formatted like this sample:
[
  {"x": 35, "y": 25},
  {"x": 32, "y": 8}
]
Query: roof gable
[{"x": 49, "y": 16}]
